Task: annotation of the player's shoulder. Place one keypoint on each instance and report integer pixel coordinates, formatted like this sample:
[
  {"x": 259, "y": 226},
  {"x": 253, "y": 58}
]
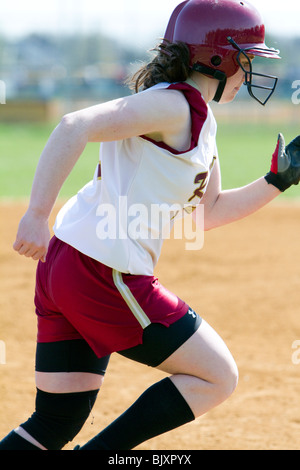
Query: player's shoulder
[
  {"x": 156, "y": 109},
  {"x": 171, "y": 102}
]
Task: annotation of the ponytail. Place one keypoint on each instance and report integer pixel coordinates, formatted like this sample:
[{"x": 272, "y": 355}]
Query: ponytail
[{"x": 171, "y": 64}]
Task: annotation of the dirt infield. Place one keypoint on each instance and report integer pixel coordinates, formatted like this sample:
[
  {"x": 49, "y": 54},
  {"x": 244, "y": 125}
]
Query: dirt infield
[{"x": 244, "y": 282}]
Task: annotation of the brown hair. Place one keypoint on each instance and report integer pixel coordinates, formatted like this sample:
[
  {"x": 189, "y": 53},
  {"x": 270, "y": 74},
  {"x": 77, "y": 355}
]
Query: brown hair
[{"x": 171, "y": 64}]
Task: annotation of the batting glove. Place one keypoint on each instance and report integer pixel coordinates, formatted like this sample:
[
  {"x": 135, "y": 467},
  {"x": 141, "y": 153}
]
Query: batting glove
[{"x": 285, "y": 166}]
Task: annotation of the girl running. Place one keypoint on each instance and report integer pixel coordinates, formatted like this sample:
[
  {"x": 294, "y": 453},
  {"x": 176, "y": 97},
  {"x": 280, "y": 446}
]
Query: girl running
[{"x": 96, "y": 292}]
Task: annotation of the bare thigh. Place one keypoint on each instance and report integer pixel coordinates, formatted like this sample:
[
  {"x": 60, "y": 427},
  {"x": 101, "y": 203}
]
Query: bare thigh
[
  {"x": 204, "y": 355},
  {"x": 67, "y": 382}
]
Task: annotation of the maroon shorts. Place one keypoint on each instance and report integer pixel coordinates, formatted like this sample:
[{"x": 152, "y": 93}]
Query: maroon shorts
[{"x": 79, "y": 298}]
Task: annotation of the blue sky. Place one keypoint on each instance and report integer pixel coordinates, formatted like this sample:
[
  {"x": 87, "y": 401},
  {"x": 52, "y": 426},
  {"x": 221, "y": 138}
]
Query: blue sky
[{"x": 132, "y": 21}]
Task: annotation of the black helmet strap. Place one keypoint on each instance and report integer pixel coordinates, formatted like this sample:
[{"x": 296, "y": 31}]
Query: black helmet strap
[{"x": 217, "y": 74}]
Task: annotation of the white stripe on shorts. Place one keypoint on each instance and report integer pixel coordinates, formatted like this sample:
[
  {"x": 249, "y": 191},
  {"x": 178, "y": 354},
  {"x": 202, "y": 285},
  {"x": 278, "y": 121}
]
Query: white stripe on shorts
[{"x": 130, "y": 300}]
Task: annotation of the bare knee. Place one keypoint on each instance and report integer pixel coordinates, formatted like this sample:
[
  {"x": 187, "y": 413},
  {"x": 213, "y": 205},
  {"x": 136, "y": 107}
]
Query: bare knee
[
  {"x": 219, "y": 389},
  {"x": 203, "y": 394},
  {"x": 226, "y": 381},
  {"x": 203, "y": 369}
]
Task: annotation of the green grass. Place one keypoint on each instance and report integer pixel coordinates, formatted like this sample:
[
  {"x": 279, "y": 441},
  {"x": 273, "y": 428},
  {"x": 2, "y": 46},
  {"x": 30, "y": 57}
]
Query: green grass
[
  {"x": 20, "y": 149},
  {"x": 245, "y": 153}
]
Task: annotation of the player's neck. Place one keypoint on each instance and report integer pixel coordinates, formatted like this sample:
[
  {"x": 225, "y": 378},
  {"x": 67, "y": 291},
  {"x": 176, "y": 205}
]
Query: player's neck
[{"x": 205, "y": 85}]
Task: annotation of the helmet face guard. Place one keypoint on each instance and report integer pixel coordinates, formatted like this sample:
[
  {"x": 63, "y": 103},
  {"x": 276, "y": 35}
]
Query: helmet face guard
[{"x": 253, "y": 80}]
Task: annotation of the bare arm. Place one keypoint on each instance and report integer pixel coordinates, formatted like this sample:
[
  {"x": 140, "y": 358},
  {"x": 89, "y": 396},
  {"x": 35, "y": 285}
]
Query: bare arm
[
  {"x": 224, "y": 207},
  {"x": 144, "y": 113},
  {"x": 57, "y": 160}
]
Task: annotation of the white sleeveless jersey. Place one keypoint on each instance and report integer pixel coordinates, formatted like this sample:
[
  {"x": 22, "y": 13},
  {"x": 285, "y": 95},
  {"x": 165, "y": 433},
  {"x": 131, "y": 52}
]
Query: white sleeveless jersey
[{"x": 123, "y": 215}]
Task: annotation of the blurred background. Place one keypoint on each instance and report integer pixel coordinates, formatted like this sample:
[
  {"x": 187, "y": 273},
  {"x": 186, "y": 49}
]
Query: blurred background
[{"x": 65, "y": 55}]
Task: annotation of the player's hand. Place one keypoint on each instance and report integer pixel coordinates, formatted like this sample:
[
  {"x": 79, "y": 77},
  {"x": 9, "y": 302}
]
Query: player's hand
[
  {"x": 285, "y": 166},
  {"x": 33, "y": 237}
]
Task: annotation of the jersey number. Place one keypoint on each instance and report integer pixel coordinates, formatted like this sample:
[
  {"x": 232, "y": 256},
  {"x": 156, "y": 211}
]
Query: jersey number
[{"x": 202, "y": 179}]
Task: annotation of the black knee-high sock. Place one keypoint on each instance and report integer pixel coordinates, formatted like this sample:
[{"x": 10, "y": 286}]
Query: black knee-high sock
[{"x": 159, "y": 409}]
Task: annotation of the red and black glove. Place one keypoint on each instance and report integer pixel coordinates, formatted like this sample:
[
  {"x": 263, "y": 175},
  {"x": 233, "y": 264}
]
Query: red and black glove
[{"x": 285, "y": 166}]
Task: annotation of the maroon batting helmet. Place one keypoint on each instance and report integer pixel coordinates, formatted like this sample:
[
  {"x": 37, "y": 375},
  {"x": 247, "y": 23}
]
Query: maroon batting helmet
[{"x": 218, "y": 33}]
